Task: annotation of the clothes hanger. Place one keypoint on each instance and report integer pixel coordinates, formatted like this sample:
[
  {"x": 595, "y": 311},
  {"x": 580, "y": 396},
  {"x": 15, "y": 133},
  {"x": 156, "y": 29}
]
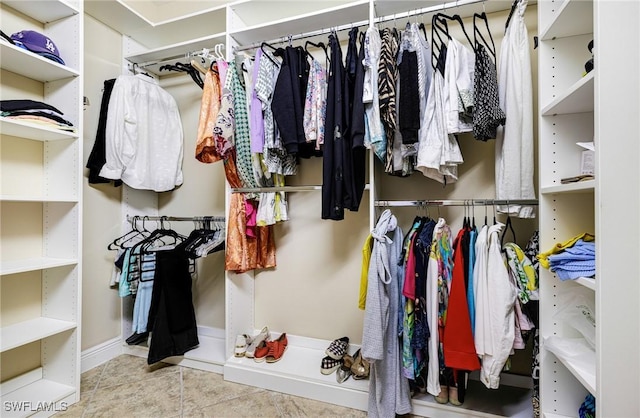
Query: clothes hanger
[
  {"x": 476, "y": 31},
  {"x": 513, "y": 8},
  {"x": 438, "y": 50},
  {"x": 473, "y": 212},
  {"x": 508, "y": 226},
  {"x": 458, "y": 19},
  {"x": 119, "y": 242},
  {"x": 185, "y": 68},
  {"x": 138, "y": 71},
  {"x": 276, "y": 52},
  {"x": 318, "y": 45}
]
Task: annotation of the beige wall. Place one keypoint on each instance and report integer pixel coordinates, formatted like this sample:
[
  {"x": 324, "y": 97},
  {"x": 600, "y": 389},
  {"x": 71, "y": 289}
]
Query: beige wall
[{"x": 101, "y": 203}]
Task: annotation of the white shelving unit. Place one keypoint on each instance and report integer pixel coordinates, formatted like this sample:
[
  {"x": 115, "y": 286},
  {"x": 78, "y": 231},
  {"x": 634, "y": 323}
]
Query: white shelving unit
[
  {"x": 576, "y": 108},
  {"x": 42, "y": 192}
]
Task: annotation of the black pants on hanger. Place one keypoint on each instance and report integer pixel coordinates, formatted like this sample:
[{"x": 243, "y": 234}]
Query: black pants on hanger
[{"x": 171, "y": 316}]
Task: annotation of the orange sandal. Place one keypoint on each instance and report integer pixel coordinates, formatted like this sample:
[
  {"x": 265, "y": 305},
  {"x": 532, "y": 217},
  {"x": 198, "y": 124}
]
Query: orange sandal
[{"x": 277, "y": 348}]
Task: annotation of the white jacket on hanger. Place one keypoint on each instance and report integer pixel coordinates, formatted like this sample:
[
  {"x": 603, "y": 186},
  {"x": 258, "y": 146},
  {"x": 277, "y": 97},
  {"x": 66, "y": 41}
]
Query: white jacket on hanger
[{"x": 501, "y": 297}]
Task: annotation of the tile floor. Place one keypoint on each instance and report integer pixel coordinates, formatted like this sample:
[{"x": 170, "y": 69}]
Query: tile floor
[{"x": 126, "y": 387}]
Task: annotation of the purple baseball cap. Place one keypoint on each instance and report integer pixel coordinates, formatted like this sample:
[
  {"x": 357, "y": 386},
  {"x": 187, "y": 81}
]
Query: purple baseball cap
[{"x": 38, "y": 43}]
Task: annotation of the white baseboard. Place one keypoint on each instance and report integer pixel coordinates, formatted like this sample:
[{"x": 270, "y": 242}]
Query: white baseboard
[{"x": 100, "y": 354}]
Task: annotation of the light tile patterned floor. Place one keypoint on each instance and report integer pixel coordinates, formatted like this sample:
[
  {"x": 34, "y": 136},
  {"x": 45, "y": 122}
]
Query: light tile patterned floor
[{"x": 127, "y": 387}]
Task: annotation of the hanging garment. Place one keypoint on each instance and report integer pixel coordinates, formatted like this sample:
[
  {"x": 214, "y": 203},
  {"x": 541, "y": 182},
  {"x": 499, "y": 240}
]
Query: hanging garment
[
  {"x": 171, "y": 313},
  {"x": 514, "y": 142},
  {"x": 353, "y": 109},
  {"x": 374, "y": 130},
  {"x": 288, "y": 102},
  {"x": 244, "y": 253},
  {"x": 240, "y": 123},
  {"x": 144, "y": 142},
  {"x": 98, "y": 157},
  {"x": 388, "y": 389},
  {"x": 471, "y": 298},
  {"x": 438, "y": 152},
  {"x": 364, "y": 271},
  {"x": 433, "y": 277},
  {"x": 481, "y": 293},
  {"x": 422, "y": 252},
  {"x": 500, "y": 329},
  {"x": 209, "y": 108},
  {"x": 487, "y": 115},
  {"x": 335, "y": 189},
  {"x": 404, "y": 152},
  {"x": 315, "y": 105},
  {"x": 256, "y": 120},
  {"x": 276, "y": 158},
  {"x": 458, "y": 87},
  {"x": 409, "y": 120},
  {"x": 387, "y": 77},
  {"x": 459, "y": 347},
  {"x": 357, "y": 126}
]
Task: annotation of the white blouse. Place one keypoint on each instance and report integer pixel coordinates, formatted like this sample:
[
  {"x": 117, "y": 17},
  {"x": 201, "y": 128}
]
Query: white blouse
[{"x": 144, "y": 137}]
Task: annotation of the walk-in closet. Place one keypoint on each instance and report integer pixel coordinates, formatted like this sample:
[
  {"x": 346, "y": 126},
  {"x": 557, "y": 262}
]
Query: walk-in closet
[{"x": 286, "y": 198}]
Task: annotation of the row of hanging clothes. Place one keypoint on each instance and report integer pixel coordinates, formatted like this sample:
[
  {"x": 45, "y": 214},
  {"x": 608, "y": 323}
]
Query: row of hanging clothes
[
  {"x": 156, "y": 268},
  {"x": 427, "y": 92},
  {"x": 440, "y": 305}
]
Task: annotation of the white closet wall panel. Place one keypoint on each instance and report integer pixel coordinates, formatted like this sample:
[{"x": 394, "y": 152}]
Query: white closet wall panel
[{"x": 617, "y": 207}]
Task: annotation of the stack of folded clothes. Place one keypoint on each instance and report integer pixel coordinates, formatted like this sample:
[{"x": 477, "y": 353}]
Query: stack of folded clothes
[
  {"x": 579, "y": 260},
  {"x": 35, "y": 112}
]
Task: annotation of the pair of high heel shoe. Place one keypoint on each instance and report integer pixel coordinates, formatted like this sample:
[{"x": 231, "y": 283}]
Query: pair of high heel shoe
[{"x": 355, "y": 366}]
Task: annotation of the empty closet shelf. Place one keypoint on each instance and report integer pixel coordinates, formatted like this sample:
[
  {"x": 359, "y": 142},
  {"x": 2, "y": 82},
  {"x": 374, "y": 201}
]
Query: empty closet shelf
[
  {"x": 577, "y": 356},
  {"x": 32, "y": 330}
]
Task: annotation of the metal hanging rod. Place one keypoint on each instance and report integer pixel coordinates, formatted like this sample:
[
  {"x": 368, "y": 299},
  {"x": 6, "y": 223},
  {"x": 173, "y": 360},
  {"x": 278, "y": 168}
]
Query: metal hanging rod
[
  {"x": 309, "y": 188},
  {"x": 425, "y": 10},
  {"x": 131, "y": 218},
  {"x": 311, "y": 34},
  {"x": 455, "y": 202},
  {"x": 215, "y": 52},
  {"x": 275, "y": 189}
]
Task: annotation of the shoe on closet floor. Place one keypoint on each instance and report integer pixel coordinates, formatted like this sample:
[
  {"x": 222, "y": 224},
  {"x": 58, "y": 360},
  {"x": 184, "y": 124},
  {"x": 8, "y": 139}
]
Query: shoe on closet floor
[
  {"x": 360, "y": 367},
  {"x": 277, "y": 348},
  {"x": 242, "y": 342},
  {"x": 261, "y": 351},
  {"x": 136, "y": 338},
  {"x": 443, "y": 396},
  {"x": 344, "y": 371},
  {"x": 338, "y": 348},
  {"x": 263, "y": 335},
  {"x": 329, "y": 365}
]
